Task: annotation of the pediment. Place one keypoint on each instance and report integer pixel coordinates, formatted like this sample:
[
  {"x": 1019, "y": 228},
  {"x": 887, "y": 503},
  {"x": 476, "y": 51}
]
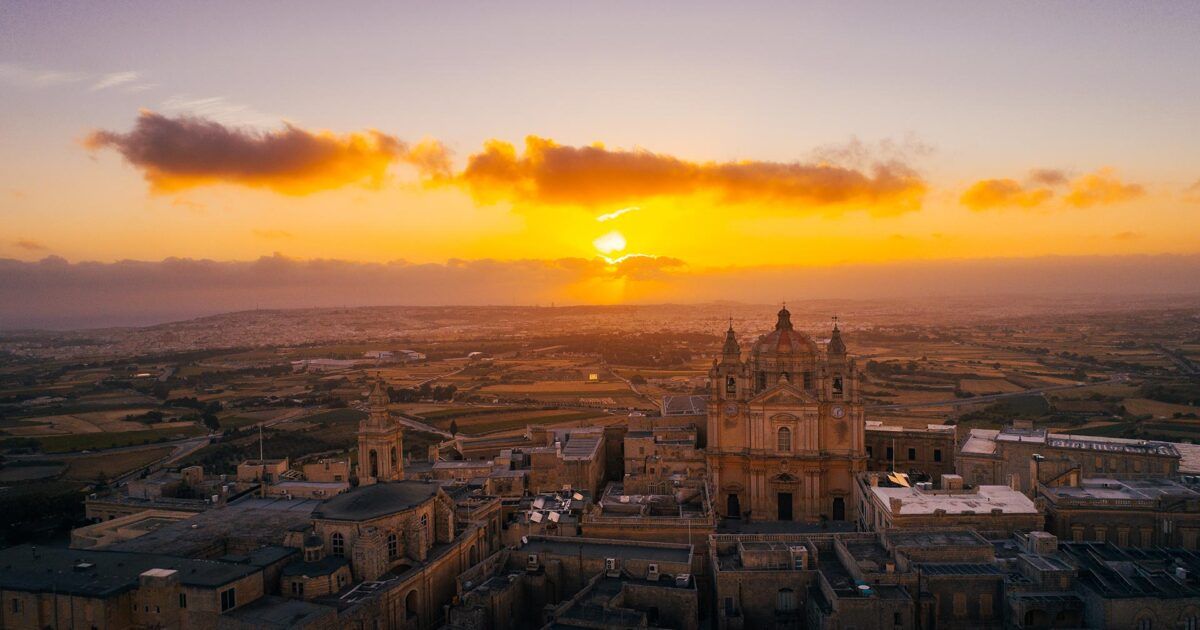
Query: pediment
[{"x": 784, "y": 394}]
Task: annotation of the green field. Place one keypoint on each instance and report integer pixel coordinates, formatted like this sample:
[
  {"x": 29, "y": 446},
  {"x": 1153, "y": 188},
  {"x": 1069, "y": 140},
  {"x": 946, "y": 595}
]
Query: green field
[{"x": 98, "y": 441}]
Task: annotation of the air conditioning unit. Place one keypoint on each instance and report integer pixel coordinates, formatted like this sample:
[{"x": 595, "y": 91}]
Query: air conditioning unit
[
  {"x": 652, "y": 572},
  {"x": 683, "y": 580},
  {"x": 611, "y": 566},
  {"x": 531, "y": 562}
]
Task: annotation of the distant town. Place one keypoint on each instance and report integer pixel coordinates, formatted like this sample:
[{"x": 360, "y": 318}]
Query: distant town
[{"x": 966, "y": 463}]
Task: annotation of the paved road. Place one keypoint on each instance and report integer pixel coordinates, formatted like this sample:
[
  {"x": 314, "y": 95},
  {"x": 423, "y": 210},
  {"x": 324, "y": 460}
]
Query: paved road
[{"x": 991, "y": 397}]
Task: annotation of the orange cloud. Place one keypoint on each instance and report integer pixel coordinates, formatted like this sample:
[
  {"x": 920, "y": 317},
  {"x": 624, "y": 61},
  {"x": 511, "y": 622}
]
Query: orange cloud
[
  {"x": 30, "y": 245},
  {"x": 184, "y": 152},
  {"x": 1101, "y": 187},
  {"x": 996, "y": 193},
  {"x": 548, "y": 173}
]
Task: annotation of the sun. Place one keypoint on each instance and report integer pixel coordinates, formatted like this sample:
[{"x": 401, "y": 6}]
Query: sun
[{"x": 610, "y": 243}]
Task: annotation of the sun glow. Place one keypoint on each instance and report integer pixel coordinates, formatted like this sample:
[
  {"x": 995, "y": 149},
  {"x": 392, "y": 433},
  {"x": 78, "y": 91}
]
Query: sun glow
[{"x": 610, "y": 243}]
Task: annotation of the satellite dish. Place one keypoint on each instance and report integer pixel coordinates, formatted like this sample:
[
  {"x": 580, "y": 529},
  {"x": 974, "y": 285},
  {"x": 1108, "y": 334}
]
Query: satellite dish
[{"x": 524, "y": 540}]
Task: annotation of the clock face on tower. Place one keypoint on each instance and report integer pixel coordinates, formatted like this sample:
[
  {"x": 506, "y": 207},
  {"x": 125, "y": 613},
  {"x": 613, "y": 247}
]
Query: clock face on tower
[
  {"x": 838, "y": 412},
  {"x": 731, "y": 409}
]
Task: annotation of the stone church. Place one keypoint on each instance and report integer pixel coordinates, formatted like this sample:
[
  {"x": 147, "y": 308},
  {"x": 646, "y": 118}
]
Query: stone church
[
  {"x": 380, "y": 441},
  {"x": 785, "y": 427}
]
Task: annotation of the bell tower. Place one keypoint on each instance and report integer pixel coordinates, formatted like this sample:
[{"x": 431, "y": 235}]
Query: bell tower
[{"x": 380, "y": 441}]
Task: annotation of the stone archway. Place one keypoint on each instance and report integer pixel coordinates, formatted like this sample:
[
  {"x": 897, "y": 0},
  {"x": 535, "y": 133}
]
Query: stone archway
[{"x": 412, "y": 607}]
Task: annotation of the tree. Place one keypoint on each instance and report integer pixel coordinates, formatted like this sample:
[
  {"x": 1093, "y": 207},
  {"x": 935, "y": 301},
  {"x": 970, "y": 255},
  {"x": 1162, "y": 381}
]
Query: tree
[
  {"x": 210, "y": 420},
  {"x": 453, "y": 427}
]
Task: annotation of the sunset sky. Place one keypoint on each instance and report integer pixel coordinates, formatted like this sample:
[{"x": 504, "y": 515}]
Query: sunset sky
[{"x": 636, "y": 139}]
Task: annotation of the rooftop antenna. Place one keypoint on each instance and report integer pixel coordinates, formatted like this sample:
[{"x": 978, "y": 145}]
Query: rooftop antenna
[{"x": 262, "y": 482}]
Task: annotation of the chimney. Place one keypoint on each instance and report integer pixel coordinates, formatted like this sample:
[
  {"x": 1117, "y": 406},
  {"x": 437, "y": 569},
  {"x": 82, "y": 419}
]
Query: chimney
[
  {"x": 894, "y": 503},
  {"x": 874, "y": 480}
]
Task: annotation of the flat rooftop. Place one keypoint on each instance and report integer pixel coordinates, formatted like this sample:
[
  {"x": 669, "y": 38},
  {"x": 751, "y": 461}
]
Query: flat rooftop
[
  {"x": 597, "y": 548},
  {"x": 982, "y": 500},
  {"x": 983, "y": 442},
  {"x": 1104, "y": 489},
  {"x": 104, "y": 573},
  {"x": 877, "y": 425},
  {"x": 255, "y": 520},
  {"x": 944, "y": 538}
]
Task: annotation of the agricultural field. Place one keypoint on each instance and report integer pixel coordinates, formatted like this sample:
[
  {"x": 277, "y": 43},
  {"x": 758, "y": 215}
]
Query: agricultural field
[
  {"x": 483, "y": 420},
  {"x": 111, "y": 465}
]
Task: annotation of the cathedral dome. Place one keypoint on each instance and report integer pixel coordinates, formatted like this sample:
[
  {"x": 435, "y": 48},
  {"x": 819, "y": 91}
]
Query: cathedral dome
[{"x": 784, "y": 340}]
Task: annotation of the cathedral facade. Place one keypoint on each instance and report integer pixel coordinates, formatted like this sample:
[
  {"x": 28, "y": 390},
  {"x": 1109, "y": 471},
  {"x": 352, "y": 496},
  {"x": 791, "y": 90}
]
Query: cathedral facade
[{"x": 785, "y": 427}]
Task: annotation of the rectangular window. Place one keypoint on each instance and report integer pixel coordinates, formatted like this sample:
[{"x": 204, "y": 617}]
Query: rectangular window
[
  {"x": 16, "y": 606},
  {"x": 960, "y": 604},
  {"x": 890, "y": 454},
  {"x": 985, "y": 605},
  {"x": 808, "y": 380},
  {"x": 937, "y": 454},
  {"x": 228, "y": 599},
  {"x": 869, "y": 453},
  {"x": 183, "y": 600},
  {"x": 298, "y": 589},
  {"x": 912, "y": 454}
]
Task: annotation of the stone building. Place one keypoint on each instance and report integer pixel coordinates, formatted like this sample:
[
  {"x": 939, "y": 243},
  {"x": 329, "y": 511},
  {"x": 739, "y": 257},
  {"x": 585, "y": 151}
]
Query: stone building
[
  {"x": 785, "y": 427},
  {"x": 921, "y": 452},
  {"x": 1128, "y": 513},
  {"x": 385, "y": 526},
  {"x": 990, "y": 456},
  {"x": 69, "y": 588},
  {"x": 993, "y": 510},
  {"x": 580, "y": 582},
  {"x": 380, "y": 441},
  {"x": 682, "y": 514},
  {"x": 660, "y": 453}
]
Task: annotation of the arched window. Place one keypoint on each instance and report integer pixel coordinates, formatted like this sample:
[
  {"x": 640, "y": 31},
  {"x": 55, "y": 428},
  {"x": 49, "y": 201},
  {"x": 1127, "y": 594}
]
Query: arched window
[
  {"x": 410, "y": 604},
  {"x": 338, "y": 542},
  {"x": 1145, "y": 623},
  {"x": 837, "y": 386},
  {"x": 1189, "y": 622},
  {"x": 393, "y": 546},
  {"x": 395, "y": 460},
  {"x": 785, "y": 439},
  {"x": 374, "y": 463},
  {"x": 785, "y": 600}
]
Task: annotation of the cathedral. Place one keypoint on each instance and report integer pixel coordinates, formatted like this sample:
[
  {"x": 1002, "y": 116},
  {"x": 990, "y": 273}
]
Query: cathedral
[
  {"x": 380, "y": 442},
  {"x": 785, "y": 427}
]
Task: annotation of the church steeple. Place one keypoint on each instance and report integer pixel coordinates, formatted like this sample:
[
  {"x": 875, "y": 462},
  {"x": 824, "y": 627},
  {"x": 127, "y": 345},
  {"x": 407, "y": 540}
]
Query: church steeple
[
  {"x": 731, "y": 351},
  {"x": 836, "y": 345},
  {"x": 380, "y": 440}
]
